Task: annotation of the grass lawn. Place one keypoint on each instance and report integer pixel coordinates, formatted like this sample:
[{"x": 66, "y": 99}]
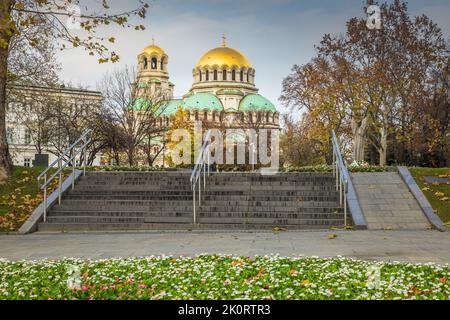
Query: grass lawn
[
  {"x": 438, "y": 194},
  {"x": 20, "y": 196},
  {"x": 222, "y": 277}
]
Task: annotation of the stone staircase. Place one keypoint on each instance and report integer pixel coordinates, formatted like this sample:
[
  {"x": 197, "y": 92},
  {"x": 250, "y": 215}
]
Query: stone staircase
[{"x": 104, "y": 201}]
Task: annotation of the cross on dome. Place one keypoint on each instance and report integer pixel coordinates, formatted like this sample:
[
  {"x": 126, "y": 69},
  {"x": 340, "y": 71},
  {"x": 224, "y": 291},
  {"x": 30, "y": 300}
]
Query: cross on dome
[{"x": 224, "y": 40}]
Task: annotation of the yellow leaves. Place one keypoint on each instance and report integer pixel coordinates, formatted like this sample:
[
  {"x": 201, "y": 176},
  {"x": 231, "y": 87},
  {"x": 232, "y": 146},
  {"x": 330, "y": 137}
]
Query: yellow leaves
[
  {"x": 426, "y": 189},
  {"x": 444, "y": 199},
  {"x": 414, "y": 291},
  {"x": 439, "y": 194},
  {"x": 237, "y": 263},
  {"x": 332, "y": 236},
  {"x": 305, "y": 283},
  {"x": 19, "y": 6},
  {"x": 293, "y": 272},
  {"x": 443, "y": 280},
  {"x": 112, "y": 39}
]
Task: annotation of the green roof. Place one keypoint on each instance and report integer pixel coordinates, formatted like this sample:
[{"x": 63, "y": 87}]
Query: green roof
[
  {"x": 203, "y": 100},
  {"x": 165, "y": 108},
  {"x": 140, "y": 104},
  {"x": 171, "y": 107},
  {"x": 256, "y": 102}
]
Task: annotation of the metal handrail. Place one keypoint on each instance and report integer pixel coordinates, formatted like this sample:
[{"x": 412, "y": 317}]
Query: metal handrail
[
  {"x": 341, "y": 173},
  {"x": 201, "y": 166},
  {"x": 68, "y": 157}
]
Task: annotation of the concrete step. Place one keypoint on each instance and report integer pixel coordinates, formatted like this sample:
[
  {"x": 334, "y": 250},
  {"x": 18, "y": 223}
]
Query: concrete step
[
  {"x": 207, "y": 220},
  {"x": 163, "y": 201},
  {"x": 200, "y": 212},
  {"x": 78, "y": 227}
]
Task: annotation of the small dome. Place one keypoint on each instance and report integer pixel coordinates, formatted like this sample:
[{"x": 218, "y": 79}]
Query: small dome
[
  {"x": 154, "y": 49},
  {"x": 256, "y": 102},
  {"x": 203, "y": 100},
  {"x": 224, "y": 56}
]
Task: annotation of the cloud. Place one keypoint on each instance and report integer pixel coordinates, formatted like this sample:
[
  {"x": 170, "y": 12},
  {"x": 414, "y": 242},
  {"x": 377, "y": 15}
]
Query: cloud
[{"x": 274, "y": 35}]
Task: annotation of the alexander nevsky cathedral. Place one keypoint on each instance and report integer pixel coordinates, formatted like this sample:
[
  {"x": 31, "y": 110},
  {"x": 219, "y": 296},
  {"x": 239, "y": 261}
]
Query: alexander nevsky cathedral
[{"x": 223, "y": 93}]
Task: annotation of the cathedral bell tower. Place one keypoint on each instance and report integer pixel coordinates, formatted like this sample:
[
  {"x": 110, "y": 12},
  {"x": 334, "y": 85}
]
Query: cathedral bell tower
[{"x": 153, "y": 74}]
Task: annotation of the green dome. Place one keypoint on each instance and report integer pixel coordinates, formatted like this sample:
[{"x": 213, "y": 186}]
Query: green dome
[
  {"x": 256, "y": 102},
  {"x": 171, "y": 107},
  {"x": 202, "y": 100}
]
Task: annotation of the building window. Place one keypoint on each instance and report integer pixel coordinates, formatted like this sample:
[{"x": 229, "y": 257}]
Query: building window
[
  {"x": 27, "y": 137},
  {"x": 205, "y": 115},
  {"x": 162, "y": 64},
  {"x": 242, "y": 75},
  {"x": 196, "y": 115},
  {"x": 154, "y": 63},
  {"x": 145, "y": 63},
  {"x": 248, "y": 75},
  {"x": 27, "y": 162},
  {"x": 155, "y": 150},
  {"x": 215, "y": 75},
  {"x": 207, "y": 75},
  {"x": 10, "y": 135},
  {"x": 267, "y": 117},
  {"x": 214, "y": 116},
  {"x": 224, "y": 75},
  {"x": 233, "y": 75},
  {"x": 200, "y": 75}
]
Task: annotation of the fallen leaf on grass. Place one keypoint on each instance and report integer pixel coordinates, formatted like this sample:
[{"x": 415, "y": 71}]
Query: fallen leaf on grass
[{"x": 332, "y": 236}]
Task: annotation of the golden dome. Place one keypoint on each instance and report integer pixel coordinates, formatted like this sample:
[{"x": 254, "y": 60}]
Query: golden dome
[
  {"x": 224, "y": 56},
  {"x": 153, "y": 49}
]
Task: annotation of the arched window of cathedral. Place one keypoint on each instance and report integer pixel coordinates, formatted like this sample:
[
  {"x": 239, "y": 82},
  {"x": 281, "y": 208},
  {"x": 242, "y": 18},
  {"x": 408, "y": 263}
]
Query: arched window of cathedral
[
  {"x": 214, "y": 116},
  {"x": 196, "y": 115},
  {"x": 162, "y": 63},
  {"x": 233, "y": 75},
  {"x": 273, "y": 118},
  {"x": 242, "y": 75},
  {"x": 242, "y": 117},
  {"x": 224, "y": 74},
  {"x": 222, "y": 116},
  {"x": 207, "y": 75},
  {"x": 248, "y": 75},
  {"x": 215, "y": 75},
  {"x": 200, "y": 74},
  {"x": 250, "y": 117},
  {"x": 267, "y": 117},
  {"x": 145, "y": 63},
  {"x": 160, "y": 122},
  {"x": 205, "y": 115},
  {"x": 154, "y": 63},
  {"x": 258, "y": 117},
  {"x": 167, "y": 121}
]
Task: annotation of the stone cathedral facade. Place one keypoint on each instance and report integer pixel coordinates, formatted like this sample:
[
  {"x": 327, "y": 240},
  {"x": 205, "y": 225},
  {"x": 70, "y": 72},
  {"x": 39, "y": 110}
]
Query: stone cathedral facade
[{"x": 223, "y": 92}]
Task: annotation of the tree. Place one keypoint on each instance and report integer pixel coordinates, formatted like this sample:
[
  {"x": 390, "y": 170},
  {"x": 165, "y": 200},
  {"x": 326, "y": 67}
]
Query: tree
[
  {"x": 17, "y": 15},
  {"x": 374, "y": 80},
  {"x": 136, "y": 116}
]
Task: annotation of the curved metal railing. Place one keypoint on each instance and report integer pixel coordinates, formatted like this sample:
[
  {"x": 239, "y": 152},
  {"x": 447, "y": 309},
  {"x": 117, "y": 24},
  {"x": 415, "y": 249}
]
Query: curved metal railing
[
  {"x": 68, "y": 157},
  {"x": 201, "y": 166}
]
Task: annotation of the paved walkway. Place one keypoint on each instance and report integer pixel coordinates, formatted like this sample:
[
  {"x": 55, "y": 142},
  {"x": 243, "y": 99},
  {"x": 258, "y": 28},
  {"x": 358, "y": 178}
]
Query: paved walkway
[
  {"x": 414, "y": 246},
  {"x": 387, "y": 202}
]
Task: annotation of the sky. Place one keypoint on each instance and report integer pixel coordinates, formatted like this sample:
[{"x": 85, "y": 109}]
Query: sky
[{"x": 273, "y": 34}]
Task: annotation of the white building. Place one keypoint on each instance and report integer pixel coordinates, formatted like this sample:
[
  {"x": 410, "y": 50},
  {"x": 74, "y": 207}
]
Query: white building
[{"x": 31, "y": 127}]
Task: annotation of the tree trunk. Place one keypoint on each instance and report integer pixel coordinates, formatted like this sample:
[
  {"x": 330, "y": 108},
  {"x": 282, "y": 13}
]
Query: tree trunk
[
  {"x": 5, "y": 38},
  {"x": 383, "y": 146},
  {"x": 359, "y": 138}
]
